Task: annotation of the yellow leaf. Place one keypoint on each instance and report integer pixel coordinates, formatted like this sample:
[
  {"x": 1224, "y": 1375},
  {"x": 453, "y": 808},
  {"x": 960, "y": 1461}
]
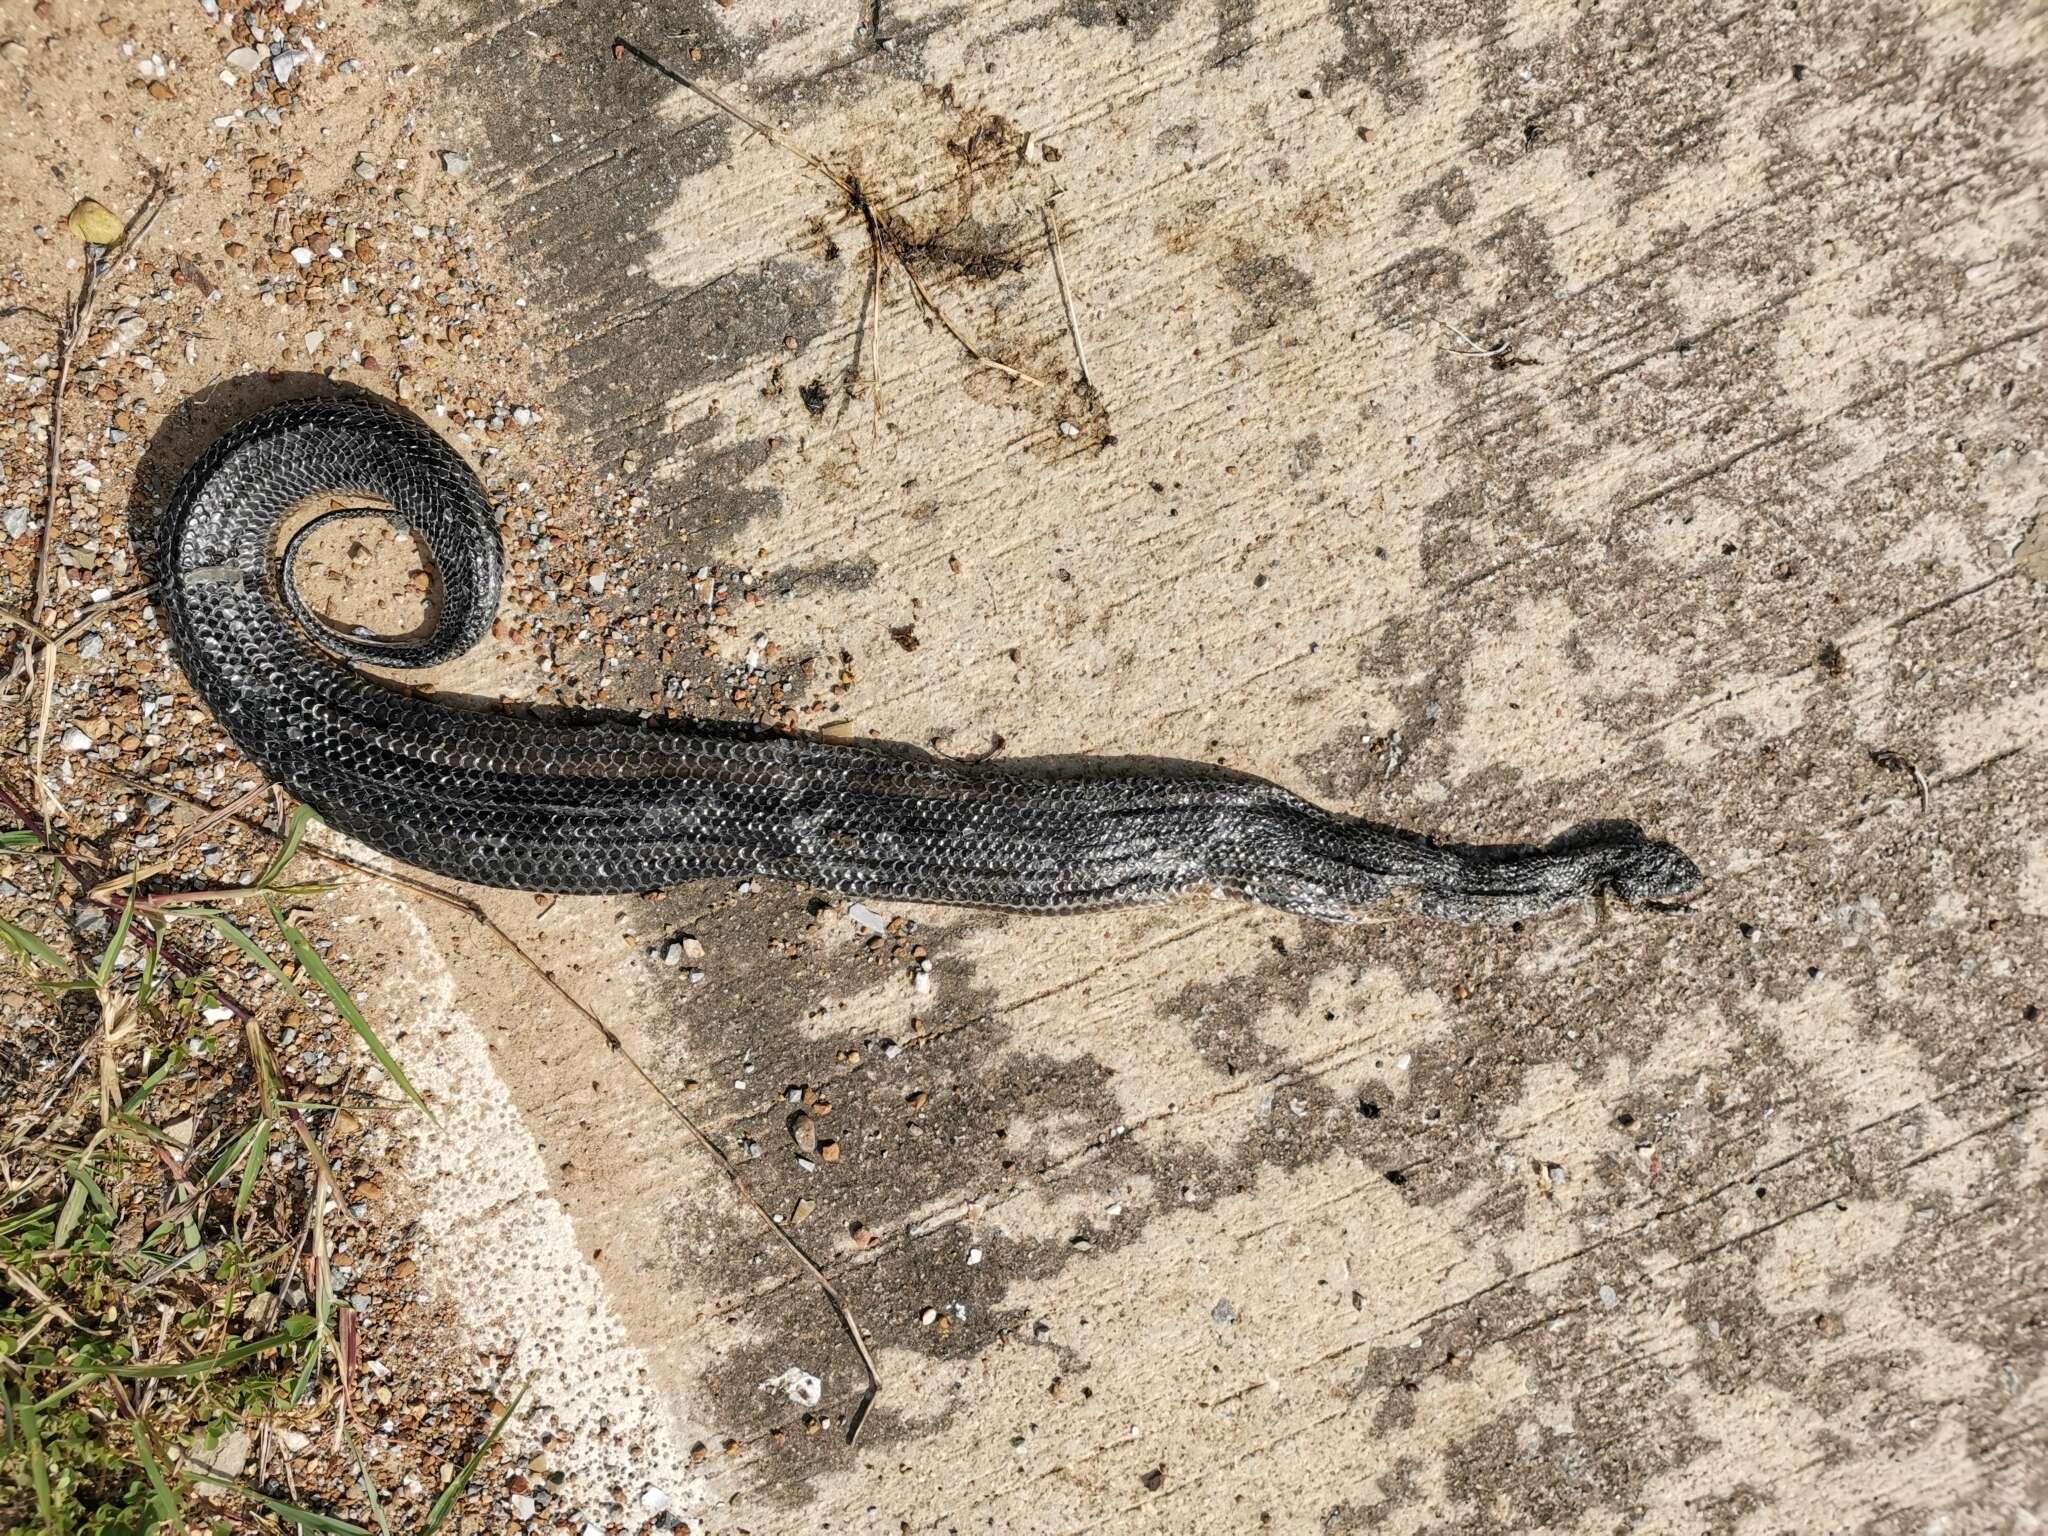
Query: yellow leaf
[{"x": 94, "y": 224}]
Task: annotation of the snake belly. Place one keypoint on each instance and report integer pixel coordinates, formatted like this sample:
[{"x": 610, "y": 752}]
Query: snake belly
[{"x": 610, "y": 806}]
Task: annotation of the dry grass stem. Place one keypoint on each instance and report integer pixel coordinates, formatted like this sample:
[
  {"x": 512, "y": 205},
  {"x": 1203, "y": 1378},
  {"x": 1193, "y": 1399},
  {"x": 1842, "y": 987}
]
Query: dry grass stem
[{"x": 1059, "y": 272}]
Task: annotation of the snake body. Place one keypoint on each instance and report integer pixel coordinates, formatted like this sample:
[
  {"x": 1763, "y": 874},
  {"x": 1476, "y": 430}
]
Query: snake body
[{"x": 610, "y": 806}]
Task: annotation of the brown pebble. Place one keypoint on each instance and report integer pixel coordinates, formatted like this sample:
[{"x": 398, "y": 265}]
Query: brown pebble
[
  {"x": 861, "y": 1234},
  {"x": 828, "y": 1151}
]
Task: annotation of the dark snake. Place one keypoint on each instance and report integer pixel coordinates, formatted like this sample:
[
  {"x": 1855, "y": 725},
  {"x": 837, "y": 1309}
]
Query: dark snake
[{"x": 609, "y": 805}]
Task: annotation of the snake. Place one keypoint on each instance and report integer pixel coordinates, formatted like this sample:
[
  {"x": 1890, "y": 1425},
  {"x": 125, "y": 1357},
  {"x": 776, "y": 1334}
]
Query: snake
[{"x": 620, "y": 803}]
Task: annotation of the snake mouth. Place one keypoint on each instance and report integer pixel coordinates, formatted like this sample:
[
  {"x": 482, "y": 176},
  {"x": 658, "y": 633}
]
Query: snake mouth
[{"x": 1676, "y": 906}]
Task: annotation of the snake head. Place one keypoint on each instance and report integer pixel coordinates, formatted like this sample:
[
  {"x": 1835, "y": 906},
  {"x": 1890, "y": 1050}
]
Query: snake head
[{"x": 1654, "y": 873}]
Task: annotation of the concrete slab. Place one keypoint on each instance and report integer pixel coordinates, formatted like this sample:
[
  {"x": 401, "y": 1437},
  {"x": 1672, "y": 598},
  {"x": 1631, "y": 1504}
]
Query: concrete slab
[{"x": 1494, "y": 416}]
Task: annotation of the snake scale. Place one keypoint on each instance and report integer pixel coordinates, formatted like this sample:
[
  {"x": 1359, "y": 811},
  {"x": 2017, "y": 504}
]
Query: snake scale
[{"x": 611, "y": 806}]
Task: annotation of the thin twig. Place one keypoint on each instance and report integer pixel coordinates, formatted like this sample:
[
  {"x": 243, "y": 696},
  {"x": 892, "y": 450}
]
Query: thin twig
[
  {"x": 71, "y": 337},
  {"x": 86, "y": 615},
  {"x": 878, "y": 233},
  {"x": 931, "y": 308},
  {"x": 39, "y": 790},
  {"x": 477, "y": 914},
  {"x": 208, "y": 823},
  {"x": 1059, "y": 272},
  {"x": 621, "y": 48},
  {"x": 875, "y": 319}
]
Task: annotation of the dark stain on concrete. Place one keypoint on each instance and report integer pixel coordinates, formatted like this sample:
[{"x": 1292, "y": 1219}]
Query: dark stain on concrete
[
  {"x": 1380, "y": 43},
  {"x": 1516, "y": 1474},
  {"x": 1415, "y": 289},
  {"x": 1235, "y": 34},
  {"x": 849, "y": 575},
  {"x": 1269, "y": 288},
  {"x": 1449, "y": 197},
  {"x": 1141, "y": 18}
]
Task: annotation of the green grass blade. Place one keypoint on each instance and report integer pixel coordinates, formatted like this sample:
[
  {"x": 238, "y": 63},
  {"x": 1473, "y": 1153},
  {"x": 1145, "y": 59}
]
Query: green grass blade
[
  {"x": 253, "y": 1168},
  {"x": 58, "y": 1396},
  {"x": 292, "y": 1332},
  {"x": 226, "y": 1160},
  {"x": 14, "y": 1224},
  {"x": 233, "y": 933},
  {"x": 311, "y": 963},
  {"x": 93, "y": 1192},
  {"x": 112, "y": 956},
  {"x": 38, "y": 1464},
  {"x": 308, "y": 1369},
  {"x": 67, "y": 1219},
  {"x": 149, "y": 1084},
  {"x": 369, "y": 1486},
  {"x": 294, "y": 830},
  {"x": 28, "y": 947},
  {"x": 304, "y": 1519},
  {"x": 169, "y": 1510},
  {"x": 453, "y": 1491},
  {"x": 19, "y": 840}
]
